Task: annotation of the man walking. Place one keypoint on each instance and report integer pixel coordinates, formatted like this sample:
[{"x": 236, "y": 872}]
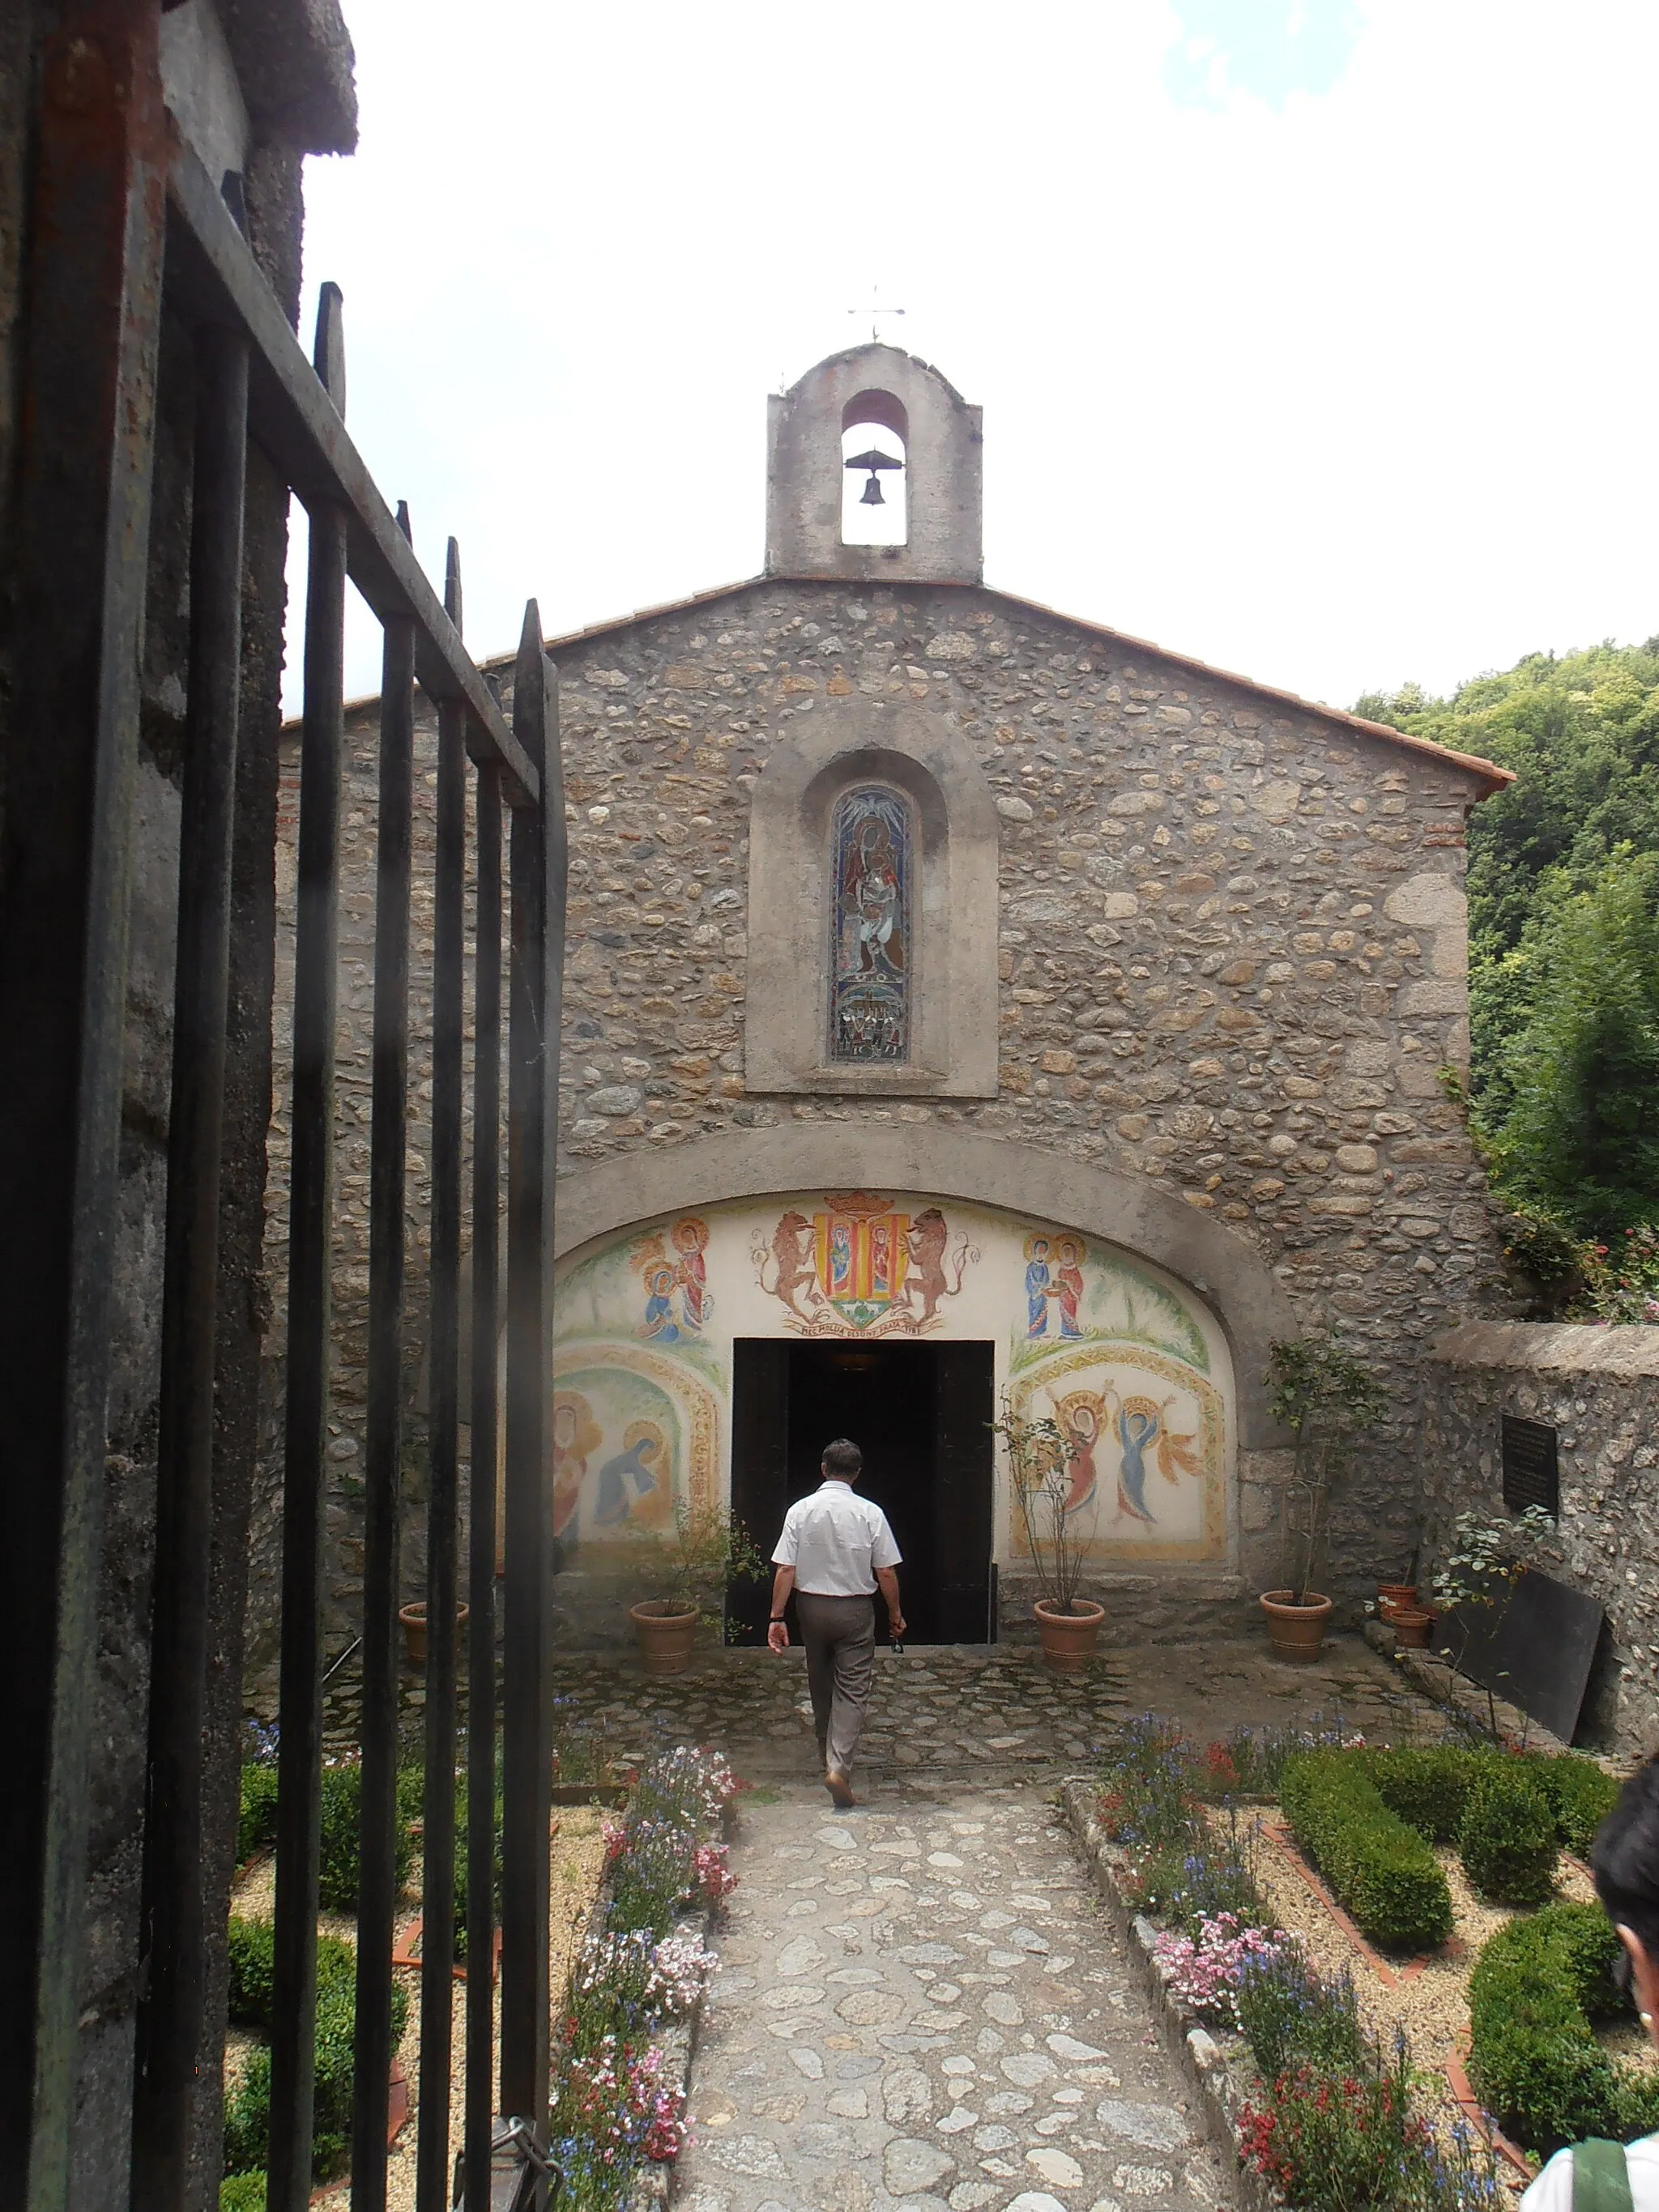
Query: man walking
[{"x": 835, "y": 1549}]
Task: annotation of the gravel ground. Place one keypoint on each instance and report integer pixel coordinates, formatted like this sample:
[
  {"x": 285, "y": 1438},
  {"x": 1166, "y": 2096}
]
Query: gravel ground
[
  {"x": 573, "y": 1871},
  {"x": 1432, "y": 2006}
]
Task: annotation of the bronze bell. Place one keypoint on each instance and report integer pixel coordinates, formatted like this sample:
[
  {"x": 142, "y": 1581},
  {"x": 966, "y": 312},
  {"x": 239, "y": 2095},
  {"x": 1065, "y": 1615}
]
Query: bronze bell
[{"x": 874, "y": 460}]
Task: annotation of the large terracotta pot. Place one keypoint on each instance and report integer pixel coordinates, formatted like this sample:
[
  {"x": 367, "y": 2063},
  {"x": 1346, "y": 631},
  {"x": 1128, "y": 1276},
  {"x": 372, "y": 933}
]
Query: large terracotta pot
[
  {"x": 665, "y": 1635},
  {"x": 1068, "y": 1638},
  {"x": 1296, "y": 1631},
  {"x": 413, "y": 1618}
]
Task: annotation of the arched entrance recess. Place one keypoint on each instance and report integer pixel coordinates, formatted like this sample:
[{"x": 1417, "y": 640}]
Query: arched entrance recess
[{"x": 1246, "y": 1297}]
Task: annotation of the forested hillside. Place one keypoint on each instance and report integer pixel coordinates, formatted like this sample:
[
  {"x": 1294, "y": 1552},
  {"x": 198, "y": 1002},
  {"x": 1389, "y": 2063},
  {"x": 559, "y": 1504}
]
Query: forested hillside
[{"x": 1563, "y": 917}]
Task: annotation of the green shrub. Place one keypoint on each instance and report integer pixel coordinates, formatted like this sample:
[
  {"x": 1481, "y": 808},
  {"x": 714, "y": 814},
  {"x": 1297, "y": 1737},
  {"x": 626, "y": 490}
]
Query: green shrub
[
  {"x": 461, "y": 1864},
  {"x": 247, "y": 2109},
  {"x": 256, "y": 1822},
  {"x": 1581, "y": 1795},
  {"x": 243, "y": 2192},
  {"x": 1427, "y": 1786},
  {"x": 1533, "y": 2057},
  {"x": 342, "y": 1798},
  {"x": 1381, "y": 1869},
  {"x": 1507, "y": 1841},
  {"x": 252, "y": 1968}
]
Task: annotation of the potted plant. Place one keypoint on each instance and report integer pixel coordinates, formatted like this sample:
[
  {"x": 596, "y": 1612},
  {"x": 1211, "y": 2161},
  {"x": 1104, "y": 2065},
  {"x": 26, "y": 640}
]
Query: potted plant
[
  {"x": 1392, "y": 1597},
  {"x": 413, "y": 1618},
  {"x": 1330, "y": 1398},
  {"x": 1040, "y": 1455},
  {"x": 687, "y": 1575}
]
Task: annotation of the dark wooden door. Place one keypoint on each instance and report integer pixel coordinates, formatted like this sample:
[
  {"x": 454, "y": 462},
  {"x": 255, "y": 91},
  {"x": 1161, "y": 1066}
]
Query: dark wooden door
[
  {"x": 963, "y": 1412},
  {"x": 761, "y": 1490}
]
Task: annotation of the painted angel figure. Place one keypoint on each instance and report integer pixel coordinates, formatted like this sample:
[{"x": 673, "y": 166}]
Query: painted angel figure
[
  {"x": 691, "y": 1239},
  {"x": 1141, "y": 1424}
]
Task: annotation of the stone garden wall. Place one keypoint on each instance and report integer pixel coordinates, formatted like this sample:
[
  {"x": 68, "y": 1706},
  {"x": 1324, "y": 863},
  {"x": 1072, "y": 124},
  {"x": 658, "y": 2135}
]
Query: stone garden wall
[
  {"x": 1231, "y": 963},
  {"x": 1598, "y": 1387}
]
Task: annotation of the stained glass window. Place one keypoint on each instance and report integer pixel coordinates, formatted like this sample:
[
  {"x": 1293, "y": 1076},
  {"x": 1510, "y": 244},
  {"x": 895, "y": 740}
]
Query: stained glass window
[{"x": 872, "y": 853}]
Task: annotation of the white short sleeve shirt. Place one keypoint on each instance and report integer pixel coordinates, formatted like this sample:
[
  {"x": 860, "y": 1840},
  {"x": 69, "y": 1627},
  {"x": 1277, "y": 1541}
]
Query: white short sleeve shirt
[
  {"x": 1553, "y": 2191},
  {"x": 835, "y": 1541}
]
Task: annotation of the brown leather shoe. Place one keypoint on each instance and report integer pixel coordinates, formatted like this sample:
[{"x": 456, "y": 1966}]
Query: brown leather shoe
[{"x": 840, "y": 1789}]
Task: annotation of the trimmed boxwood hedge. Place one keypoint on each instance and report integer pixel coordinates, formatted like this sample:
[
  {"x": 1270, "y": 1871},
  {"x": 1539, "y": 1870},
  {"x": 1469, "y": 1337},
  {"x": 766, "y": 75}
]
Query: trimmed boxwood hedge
[
  {"x": 1507, "y": 1840},
  {"x": 256, "y": 1822},
  {"x": 253, "y": 1947},
  {"x": 1380, "y": 1868},
  {"x": 247, "y": 2109},
  {"x": 342, "y": 1796},
  {"x": 1534, "y": 2058},
  {"x": 1428, "y": 1785},
  {"x": 1506, "y": 1815},
  {"x": 1581, "y": 1795}
]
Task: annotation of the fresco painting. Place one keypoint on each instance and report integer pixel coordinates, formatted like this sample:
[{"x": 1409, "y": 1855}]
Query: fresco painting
[
  {"x": 1132, "y": 1366},
  {"x": 857, "y": 1267},
  {"x": 675, "y": 1276},
  {"x": 631, "y": 1440},
  {"x": 1147, "y": 1439}
]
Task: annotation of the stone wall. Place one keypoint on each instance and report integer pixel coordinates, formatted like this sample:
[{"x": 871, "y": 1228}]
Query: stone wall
[
  {"x": 1231, "y": 956},
  {"x": 1598, "y": 1387}
]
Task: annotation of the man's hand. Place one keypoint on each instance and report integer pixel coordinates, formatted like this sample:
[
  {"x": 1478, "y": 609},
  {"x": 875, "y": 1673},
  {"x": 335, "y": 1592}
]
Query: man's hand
[
  {"x": 888, "y": 1582},
  {"x": 777, "y": 1636}
]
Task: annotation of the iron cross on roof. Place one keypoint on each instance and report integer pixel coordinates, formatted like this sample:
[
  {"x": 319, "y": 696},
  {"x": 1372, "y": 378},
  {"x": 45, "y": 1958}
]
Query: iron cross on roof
[{"x": 875, "y": 313}]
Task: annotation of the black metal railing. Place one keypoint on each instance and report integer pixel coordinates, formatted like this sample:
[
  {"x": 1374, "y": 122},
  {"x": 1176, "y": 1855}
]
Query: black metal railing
[{"x": 253, "y": 383}]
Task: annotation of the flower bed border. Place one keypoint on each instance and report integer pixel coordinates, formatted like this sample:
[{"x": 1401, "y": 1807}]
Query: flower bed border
[
  {"x": 677, "y": 2039},
  {"x": 1222, "y": 2085}
]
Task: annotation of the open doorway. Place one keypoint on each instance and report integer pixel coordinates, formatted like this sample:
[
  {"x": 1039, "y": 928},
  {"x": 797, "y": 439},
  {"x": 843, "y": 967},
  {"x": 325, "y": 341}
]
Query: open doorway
[{"x": 920, "y": 1414}]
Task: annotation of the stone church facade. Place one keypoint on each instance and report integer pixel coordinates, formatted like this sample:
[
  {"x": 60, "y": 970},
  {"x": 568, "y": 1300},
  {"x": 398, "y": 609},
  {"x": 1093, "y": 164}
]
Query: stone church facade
[{"x": 969, "y": 1010}]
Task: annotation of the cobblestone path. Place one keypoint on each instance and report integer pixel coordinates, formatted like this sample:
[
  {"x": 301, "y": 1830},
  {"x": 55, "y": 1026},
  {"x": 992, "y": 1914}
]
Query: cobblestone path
[{"x": 920, "y": 2007}]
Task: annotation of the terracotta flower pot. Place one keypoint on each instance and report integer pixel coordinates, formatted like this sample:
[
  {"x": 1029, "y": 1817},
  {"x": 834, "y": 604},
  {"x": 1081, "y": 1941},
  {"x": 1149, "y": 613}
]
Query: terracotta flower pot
[
  {"x": 1390, "y": 1596},
  {"x": 1296, "y": 1631},
  {"x": 1412, "y": 1625},
  {"x": 1068, "y": 1638},
  {"x": 413, "y": 1618},
  {"x": 665, "y": 1635}
]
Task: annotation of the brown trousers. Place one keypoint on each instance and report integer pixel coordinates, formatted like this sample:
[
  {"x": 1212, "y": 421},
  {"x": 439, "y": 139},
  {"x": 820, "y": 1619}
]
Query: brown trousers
[{"x": 840, "y": 1637}]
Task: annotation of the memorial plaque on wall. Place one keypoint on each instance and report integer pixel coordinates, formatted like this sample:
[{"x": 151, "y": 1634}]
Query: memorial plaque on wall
[
  {"x": 1534, "y": 1651},
  {"x": 1531, "y": 1473}
]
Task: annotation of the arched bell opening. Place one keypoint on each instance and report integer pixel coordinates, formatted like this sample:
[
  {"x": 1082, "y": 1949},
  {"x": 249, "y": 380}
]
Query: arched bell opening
[{"x": 874, "y": 442}]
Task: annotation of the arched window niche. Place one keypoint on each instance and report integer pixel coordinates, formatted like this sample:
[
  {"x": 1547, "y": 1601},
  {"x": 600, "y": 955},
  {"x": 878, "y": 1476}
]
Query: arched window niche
[
  {"x": 875, "y": 498},
  {"x": 872, "y": 910}
]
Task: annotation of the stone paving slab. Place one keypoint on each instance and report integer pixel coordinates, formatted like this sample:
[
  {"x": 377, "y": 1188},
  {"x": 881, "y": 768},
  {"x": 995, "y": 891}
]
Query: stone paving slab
[
  {"x": 921, "y": 2009},
  {"x": 963, "y": 1712}
]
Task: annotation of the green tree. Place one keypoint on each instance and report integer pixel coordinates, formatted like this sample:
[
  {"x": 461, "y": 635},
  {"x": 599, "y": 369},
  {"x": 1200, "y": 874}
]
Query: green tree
[
  {"x": 1558, "y": 881},
  {"x": 1572, "y": 1118}
]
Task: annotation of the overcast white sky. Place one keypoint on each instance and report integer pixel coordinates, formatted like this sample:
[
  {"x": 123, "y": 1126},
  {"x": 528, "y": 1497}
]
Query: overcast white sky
[{"x": 1315, "y": 338}]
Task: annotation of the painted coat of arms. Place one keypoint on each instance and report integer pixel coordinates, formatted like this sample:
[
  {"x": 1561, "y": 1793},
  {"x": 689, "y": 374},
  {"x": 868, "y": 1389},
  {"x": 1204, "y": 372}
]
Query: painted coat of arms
[{"x": 860, "y": 1268}]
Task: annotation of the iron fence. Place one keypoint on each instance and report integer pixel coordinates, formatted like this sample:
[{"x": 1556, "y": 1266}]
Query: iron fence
[{"x": 138, "y": 213}]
